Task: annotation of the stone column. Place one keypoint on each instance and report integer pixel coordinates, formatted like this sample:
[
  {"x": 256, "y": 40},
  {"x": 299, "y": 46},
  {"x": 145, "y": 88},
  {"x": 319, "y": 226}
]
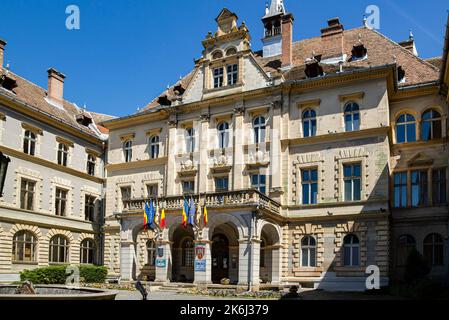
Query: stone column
[
  {"x": 164, "y": 263},
  {"x": 127, "y": 260},
  {"x": 249, "y": 264},
  {"x": 203, "y": 152},
  {"x": 171, "y": 163},
  {"x": 238, "y": 133},
  {"x": 203, "y": 276}
]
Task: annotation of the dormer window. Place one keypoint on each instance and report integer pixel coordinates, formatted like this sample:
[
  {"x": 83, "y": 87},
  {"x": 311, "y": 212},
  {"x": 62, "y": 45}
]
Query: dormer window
[
  {"x": 359, "y": 52},
  {"x": 84, "y": 119},
  {"x": 8, "y": 83},
  {"x": 179, "y": 90},
  {"x": 401, "y": 75},
  {"x": 218, "y": 77},
  {"x": 164, "y": 101},
  {"x": 313, "y": 69}
]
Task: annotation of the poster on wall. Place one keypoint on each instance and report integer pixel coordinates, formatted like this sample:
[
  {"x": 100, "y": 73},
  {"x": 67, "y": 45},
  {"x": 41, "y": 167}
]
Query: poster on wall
[
  {"x": 200, "y": 265},
  {"x": 161, "y": 263}
]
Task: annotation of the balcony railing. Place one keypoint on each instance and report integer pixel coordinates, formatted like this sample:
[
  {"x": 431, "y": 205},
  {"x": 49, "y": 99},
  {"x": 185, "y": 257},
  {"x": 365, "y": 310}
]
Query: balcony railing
[
  {"x": 273, "y": 32},
  {"x": 216, "y": 200}
]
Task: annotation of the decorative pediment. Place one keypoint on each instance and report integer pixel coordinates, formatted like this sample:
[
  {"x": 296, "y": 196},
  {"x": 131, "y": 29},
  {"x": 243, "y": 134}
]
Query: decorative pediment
[
  {"x": 258, "y": 158},
  {"x": 188, "y": 168},
  {"x": 421, "y": 159},
  {"x": 352, "y": 153}
]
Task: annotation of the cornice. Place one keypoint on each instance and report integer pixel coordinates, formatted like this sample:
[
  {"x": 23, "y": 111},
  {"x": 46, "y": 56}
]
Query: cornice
[{"x": 137, "y": 164}]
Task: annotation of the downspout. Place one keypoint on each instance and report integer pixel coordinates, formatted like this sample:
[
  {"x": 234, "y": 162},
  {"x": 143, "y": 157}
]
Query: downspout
[{"x": 103, "y": 206}]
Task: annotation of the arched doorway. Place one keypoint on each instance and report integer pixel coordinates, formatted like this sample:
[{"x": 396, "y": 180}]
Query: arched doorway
[
  {"x": 183, "y": 255},
  {"x": 220, "y": 258},
  {"x": 225, "y": 253},
  {"x": 270, "y": 255}
]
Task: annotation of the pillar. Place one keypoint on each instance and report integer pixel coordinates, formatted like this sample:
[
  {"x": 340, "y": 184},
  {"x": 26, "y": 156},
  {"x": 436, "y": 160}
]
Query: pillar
[
  {"x": 171, "y": 163},
  {"x": 203, "y": 266},
  {"x": 249, "y": 263},
  {"x": 276, "y": 264},
  {"x": 163, "y": 263},
  {"x": 238, "y": 133},
  {"x": 275, "y": 151},
  {"x": 127, "y": 256},
  {"x": 204, "y": 156}
]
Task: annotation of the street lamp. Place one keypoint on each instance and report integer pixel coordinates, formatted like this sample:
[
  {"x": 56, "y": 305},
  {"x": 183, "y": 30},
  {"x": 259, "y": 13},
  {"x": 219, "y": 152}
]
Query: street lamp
[{"x": 4, "y": 162}]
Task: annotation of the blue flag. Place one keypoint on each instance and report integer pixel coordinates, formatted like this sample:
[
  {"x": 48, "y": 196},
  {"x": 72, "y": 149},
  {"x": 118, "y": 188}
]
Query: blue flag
[
  {"x": 151, "y": 215},
  {"x": 192, "y": 213}
]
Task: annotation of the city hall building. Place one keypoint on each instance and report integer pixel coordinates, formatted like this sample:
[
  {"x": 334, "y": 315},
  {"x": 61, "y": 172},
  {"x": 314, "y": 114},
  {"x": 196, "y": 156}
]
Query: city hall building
[{"x": 315, "y": 159}]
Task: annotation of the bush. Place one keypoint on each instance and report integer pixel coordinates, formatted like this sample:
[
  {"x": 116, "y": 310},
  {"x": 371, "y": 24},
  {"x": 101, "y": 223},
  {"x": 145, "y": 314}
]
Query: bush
[
  {"x": 416, "y": 268},
  {"x": 58, "y": 275}
]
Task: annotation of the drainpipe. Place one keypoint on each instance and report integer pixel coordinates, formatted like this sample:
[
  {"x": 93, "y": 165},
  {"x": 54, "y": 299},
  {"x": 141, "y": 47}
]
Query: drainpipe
[{"x": 101, "y": 221}]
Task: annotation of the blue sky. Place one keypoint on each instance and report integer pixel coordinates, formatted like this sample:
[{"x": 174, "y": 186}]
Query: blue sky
[{"x": 127, "y": 52}]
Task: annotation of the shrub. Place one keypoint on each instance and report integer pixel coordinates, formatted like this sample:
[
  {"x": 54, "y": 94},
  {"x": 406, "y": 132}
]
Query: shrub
[
  {"x": 58, "y": 275},
  {"x": 416, "y": 268}
]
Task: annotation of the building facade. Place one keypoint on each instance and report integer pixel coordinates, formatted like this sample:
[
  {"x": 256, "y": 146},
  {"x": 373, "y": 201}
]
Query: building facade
[
  {"x": 315, "y": 160},
  {"x": 52, "y": 208}
]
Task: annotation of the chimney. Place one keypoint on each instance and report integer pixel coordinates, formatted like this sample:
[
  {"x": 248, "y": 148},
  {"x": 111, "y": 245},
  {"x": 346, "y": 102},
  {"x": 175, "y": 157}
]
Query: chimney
[
  {"x": 410, "y": 44},
  {"x": 334, "y": 27},
  {"x": 55, "y": 85},
  {"x": 2, "y": 52},
  {"x": 287, "y": 40}
]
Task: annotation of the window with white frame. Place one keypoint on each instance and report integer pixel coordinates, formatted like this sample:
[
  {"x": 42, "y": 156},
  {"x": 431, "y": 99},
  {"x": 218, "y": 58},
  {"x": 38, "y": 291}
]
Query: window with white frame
[
  {"x": 91, "y": 164},
  {"x": 420, "y": 194},
  {"x": 308, "y": 252},
  {"x": 154, "y": 147},
  {"x": 223, "y": 135},
  {"x": 59, "y": 249},
  {"x": 151, "y": 253},
  {"x": 152, "y": 190},
  {"x": 63, "y": 154},
  {"x": 259, "y": 182},
  {"x": 259, "y": 125},
  {"x": 29, "y": 143},
  {"x": 87, "y": 251},
  {"x": 309, "y": 123},
  {"x": 61, "y": 196},
  {"x": 188, "y": 186},
  {"x": 221, "y": 184},
  {"x": 89, "y": 208},
  {"x": 351, "y": 251},
  {"x": 431, "y": 125},
  {"x": 128, "y": 150},
  {"x": 405, "y": 129},
  {"x": 233, "y": 74},
  {"x": 352, "y": 178},
  {"x": 27, "y": 194},
  {"x": 309, "y": 186},
  {"x": 24, "y": 247},
  {"x": 400, "y": 190},
  {"x": 218, "y": 77},
  {"x": 352, "y": 117},
  {"x": 190, "y": 140}
]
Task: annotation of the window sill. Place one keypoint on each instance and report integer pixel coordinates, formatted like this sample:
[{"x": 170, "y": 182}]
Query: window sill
[
  {"x": 211, "y": 90},
  {"x": 25, "y": 263}
]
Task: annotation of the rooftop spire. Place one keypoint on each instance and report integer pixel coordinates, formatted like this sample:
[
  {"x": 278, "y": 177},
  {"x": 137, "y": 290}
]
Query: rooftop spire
[{"x": 276, "y": 7}]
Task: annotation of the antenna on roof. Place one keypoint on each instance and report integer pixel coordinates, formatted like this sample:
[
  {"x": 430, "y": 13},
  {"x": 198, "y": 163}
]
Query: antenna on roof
[
  {"x": 410, "y": 35},
  {"x": 394, "y": 59},
  {"x": 365, "y": 21},
  {"x": 267, "y": 8}
]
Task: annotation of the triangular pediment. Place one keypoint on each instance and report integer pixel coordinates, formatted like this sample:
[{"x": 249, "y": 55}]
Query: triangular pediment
[{"x": 420, "y": 159}]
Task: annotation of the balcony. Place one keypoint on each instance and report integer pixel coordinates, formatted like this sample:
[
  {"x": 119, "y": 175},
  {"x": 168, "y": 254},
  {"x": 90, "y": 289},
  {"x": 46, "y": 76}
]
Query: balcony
[
  {"x": 273, "y": 32},
  {"x": 218, "y": 200}
]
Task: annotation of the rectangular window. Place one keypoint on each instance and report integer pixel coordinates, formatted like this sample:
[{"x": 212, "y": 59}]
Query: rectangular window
[
  {"x": 221, "y": 184},
  {"x": 91, "y": 163},
  {"x": 188, "y": 187},
  {"x": 309, "y": 186},
  {"x": 61, "y": 202},
  {"x": 400, "y": 190},
  {"x": 259, "y": 182},
  {"x": 27, "y": 191},
  {"x": 439, "y": 195},
  {"x": 152, "y": 191},
  {"x": 353, "y": 182},
  {"x": 63, "y": 154},
  {"x": 89, "y": 208},
  {"x": 419, "y": 188},
  {"x": 218, "y": 77},
  {"x": 126, "y": 193},
  {"x": 233, "y": 74}
]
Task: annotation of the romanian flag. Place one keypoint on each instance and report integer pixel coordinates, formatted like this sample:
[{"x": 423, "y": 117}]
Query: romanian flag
[
  {"x": 162, "y": 224},
  {"x": 205, "y": 216},
  {"x": 185, "y": 211}
]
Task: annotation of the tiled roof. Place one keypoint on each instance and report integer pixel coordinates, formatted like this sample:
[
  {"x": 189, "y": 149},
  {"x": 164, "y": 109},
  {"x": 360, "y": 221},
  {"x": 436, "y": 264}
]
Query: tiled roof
[
  {"x": 381, "y": 51},
  {"x": 35, "y": 96}
]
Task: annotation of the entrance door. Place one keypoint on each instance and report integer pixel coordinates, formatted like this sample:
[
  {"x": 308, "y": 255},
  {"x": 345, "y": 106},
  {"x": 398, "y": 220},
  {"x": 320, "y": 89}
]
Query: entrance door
[{"x": 220, "y": 258}]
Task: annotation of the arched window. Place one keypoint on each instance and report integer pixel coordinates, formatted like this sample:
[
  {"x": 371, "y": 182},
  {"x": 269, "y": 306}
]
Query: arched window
[
  {"x": 434, "y": 249},
  {"x": 352, "y": 117},
  {"x": 188, "y": 256},
  {"x": 431, "y": 128},
  {"x": 154, "y": 147},
  {"x": 259, "y": 125},
  {"x": 351, "y": 251},
  {"x": 217, "y": 55},
  {"x": 405, "y": 129},
  {"x": 151, "y": 253},
  {"x": 406, "y": 244},
  {"x": 190, "y": 140},
  {"x": 309, "y": 123},
  {"x": 231, "y": 51},
  {"x": 223, "y": 135},
  {"x": 63, "y": 154},
  {"x": 308, "y": 250},
  {"x": 59, "y": 249},
  {"x": 24, "y": 247},
  {"x": 128, "y": 150},
  {"x": 29, "y": 143},
  {"x": 87, "y": 251}
]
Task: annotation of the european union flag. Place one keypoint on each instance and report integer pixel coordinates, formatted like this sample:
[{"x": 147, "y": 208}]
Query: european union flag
[
  {"x": 151, "y": 215},
  {"x": 192, "y": 212}
]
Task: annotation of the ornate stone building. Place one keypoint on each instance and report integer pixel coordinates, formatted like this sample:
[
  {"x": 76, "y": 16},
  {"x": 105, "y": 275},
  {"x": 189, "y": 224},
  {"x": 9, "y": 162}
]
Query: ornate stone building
[
  {"x": 315, "y": 159},
  {"x": 52, "y": 207}
]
